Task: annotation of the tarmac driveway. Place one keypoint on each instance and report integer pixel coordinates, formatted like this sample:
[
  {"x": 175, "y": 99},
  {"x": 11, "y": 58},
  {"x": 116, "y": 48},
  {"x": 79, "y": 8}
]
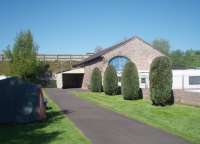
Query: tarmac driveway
[{"x": 103, "y": 126}]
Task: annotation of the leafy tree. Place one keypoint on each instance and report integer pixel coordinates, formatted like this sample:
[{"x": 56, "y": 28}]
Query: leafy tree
[
  {"x": 7, "y": 52},
  {"x": 130, "y": 82},
  {"x": 4, "y": 68},
  {"x": 23, "y": 58},
  {"x": 192, "y": 59},
  {"x": 161, "y": 45},
  {"x": 180, "y": 59},
  {"x": 177, "y": 58},
  {"x": 110, "y": 81},
  {"x": 161, "y": 81},
  {"x": 96, "y": 80},
  {"x": 188, "y": 59},
  {"x": 197, "y": 52}
]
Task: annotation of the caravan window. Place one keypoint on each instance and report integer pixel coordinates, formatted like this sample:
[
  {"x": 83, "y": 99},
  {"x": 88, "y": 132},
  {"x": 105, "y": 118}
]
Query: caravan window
[{"x": 194, "y": 80}]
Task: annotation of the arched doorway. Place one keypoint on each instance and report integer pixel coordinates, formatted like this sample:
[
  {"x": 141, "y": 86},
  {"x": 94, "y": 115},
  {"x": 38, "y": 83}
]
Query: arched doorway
[{"x": 119, "y": 63}]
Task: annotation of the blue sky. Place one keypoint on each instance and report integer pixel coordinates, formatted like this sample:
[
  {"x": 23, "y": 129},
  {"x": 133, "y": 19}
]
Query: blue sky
[{"x": 78, "y": 26}]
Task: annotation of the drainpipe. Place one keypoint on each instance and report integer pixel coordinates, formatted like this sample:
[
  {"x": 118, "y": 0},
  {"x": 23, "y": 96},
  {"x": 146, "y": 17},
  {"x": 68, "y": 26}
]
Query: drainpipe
[{"x": 183, "y": 82}]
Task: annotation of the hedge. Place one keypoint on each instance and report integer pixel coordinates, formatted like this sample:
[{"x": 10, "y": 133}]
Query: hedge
[
  {"x": 161, "y": 81},
  {"x": 110, "y": 81},
  {"x": 130, "y": 82},
  {"x": 96, "y": 80}
]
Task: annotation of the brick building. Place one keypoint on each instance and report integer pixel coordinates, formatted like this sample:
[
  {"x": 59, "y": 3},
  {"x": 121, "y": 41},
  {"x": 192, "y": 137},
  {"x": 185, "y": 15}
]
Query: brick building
[{"x": 134, "y": 49}]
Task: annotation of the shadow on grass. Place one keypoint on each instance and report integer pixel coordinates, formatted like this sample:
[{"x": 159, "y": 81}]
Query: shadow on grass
[{"x": 35, "y": 133}]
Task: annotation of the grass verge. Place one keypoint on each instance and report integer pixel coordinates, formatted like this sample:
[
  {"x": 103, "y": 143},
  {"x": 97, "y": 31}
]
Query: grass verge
[
  {"x": 57, "y": 129},
  {"x": 178, "y": 119}
]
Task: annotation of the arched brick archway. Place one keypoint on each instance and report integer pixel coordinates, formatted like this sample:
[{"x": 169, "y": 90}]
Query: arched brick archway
[{"x": 119, "y": 62}]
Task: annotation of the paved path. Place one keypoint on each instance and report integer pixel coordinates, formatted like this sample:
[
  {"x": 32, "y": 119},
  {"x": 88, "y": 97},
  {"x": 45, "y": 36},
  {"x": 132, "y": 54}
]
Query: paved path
[{"x": 102, "y": 126}]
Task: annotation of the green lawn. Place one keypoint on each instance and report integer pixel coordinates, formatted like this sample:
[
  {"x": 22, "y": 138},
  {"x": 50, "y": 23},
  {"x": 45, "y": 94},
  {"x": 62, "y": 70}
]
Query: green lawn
[
  {"x": 57, "y": 129},
  {"x": 181, "y": 120}
]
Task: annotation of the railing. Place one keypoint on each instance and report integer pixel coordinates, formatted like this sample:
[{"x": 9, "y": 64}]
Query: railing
[{"x": 54, "y": 57}]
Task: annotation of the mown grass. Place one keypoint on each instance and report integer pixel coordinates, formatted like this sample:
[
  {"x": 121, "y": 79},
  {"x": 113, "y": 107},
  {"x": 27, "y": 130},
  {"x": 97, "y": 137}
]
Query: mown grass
[
  {"x": 57, "y": 129},
  {"x": 178, "y": 119}
]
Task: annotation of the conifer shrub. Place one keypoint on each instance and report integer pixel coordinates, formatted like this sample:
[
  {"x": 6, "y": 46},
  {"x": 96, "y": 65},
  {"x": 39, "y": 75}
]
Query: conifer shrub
[
  {"x": 118, "y": 91},
  {"x": 130, "y": 82},
  {"x": 161, "y": 81},
  {"x": 110, "y": 81},
  {"x": 140, "y": 94},
  {"x": 96, "y": 80}
]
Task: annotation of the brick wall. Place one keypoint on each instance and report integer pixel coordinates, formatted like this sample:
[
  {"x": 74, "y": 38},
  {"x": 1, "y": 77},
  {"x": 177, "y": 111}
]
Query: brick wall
[
  {"x": 180, "y": 96},
  {"x": 136, "y": 50}
]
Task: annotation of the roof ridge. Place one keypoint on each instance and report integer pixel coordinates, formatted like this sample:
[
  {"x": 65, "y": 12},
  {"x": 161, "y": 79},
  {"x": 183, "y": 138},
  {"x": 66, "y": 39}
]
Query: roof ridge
[{"x": 121, "y": 42}]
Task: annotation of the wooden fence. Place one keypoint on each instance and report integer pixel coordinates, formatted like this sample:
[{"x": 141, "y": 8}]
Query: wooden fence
[{"x": 54, "y": 57}]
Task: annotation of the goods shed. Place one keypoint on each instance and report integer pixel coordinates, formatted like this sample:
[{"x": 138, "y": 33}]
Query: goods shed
[{"x": 70, "y": 79}]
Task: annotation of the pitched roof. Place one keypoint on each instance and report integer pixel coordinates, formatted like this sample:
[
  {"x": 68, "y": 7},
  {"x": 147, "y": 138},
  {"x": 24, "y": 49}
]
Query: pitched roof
[{"x": 99, "y": 54}]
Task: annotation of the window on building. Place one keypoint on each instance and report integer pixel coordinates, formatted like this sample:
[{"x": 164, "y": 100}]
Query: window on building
[
  {"x": 119, "y": 62},
  {"x": 194, "y": 80}
]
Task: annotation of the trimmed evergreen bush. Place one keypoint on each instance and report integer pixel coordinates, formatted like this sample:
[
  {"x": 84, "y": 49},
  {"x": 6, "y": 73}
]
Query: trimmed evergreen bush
[
  {"x": 119, "y": 90},
  {"x": 110, "y": 81},
  {"x": 96, "y": 80},
  {"x": 161, "y": 81},
  {"x": 130, "y": 82}
]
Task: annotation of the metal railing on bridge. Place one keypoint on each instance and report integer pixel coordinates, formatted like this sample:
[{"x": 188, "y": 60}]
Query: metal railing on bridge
[{"x": 56, "y": 57}]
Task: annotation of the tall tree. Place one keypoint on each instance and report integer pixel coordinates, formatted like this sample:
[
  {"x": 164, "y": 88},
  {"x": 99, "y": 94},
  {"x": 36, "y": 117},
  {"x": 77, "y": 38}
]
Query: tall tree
[
  {"x": 187, "y": 59},
  {"x": 192, "y": 58},
  {"x": 96, "y": 80},
  {"x": 23, "y": 58},
  {"x": 177, "y": 58},
  {"x": 162, "y": 45},
  {"x": 161, "y": 81},
  {"x": 110, "y": 81},
  {"x": 130, "y": 82}
]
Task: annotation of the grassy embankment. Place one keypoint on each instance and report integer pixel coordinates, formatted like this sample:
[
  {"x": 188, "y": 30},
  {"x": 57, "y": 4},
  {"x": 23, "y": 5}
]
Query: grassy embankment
[
  {"x": 57, "y": 129},
  {"x": 178, "y": 119}
]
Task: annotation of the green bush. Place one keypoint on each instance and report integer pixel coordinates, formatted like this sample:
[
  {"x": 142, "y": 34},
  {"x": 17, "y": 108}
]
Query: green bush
[
  {"x": 161, "y": 81},
  {"x": 119, "y": 90},
  {"x": 110, "y": 81},
  {"x": 96, "y": 80},
  {"x": 130, "y": 82},
  {"x": 23, "y": 60}
]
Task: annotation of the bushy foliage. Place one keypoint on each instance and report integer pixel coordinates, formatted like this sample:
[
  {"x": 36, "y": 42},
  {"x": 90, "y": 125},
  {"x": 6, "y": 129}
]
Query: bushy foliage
[
  {"x": 161, "y": 81},
  {"x": 4, "y": 68},
  {"x": 188, "y": 59},
  {"x": 96, "y": 80},
  {"x": 119, "y": 90},
  {"x": 23, "y": 59},
  {"x": 162, "y": 45},
  {"x": 130, "y": 82},
  {"x": 180, "y": 59},
  {"x": 110, "y": 81}
]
